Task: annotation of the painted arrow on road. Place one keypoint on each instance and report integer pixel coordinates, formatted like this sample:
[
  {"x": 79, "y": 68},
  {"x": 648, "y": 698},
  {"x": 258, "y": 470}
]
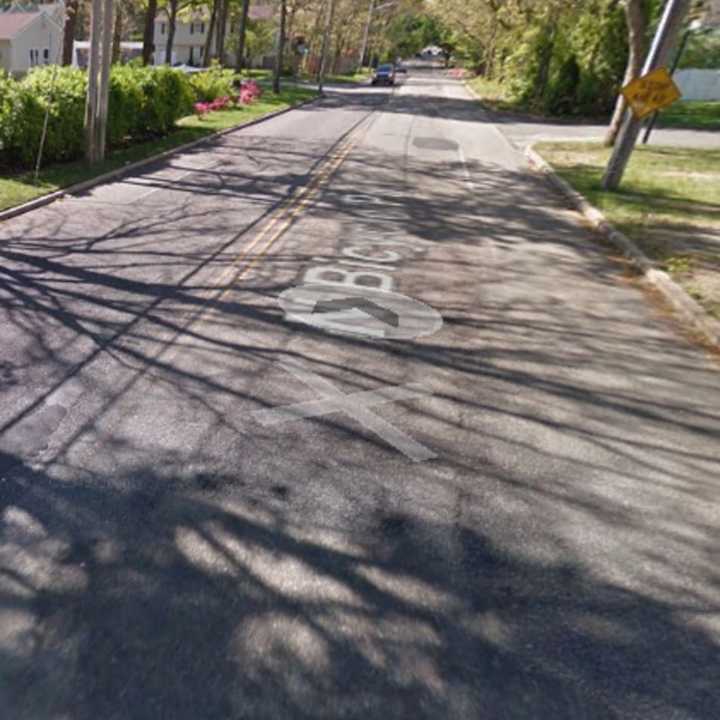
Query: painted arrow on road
[{"x": 353, "y": 304}]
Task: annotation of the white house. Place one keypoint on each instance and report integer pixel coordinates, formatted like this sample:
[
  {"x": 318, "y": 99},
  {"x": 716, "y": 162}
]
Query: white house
[
  {"x": 30, "y": 37},
  {"x": 188, "y": 43},
  {"x": 191, "y": 35}
]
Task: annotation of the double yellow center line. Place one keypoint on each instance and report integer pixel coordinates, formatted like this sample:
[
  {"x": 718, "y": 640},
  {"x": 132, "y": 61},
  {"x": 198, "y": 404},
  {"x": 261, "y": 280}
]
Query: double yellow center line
[{"x": 282, "y": 218}]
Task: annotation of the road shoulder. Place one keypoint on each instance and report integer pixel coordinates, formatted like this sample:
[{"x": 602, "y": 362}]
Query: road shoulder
[{"x": 689, "y": 309}]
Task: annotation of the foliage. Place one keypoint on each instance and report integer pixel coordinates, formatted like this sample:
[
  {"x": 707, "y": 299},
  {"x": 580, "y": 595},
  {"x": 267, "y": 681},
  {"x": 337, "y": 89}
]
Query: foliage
[
  {"x": 59, "y": 90},
  {"x": 702, "y": 51},
  {"x": 553, "y": 56},
  {"x": 212, "y": 84},
  {"x": 410, "y": 32},
  {"x": 142, "y": 102}
]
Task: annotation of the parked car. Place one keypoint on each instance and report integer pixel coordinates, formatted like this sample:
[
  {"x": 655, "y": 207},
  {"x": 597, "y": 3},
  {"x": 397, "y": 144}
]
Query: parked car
[{"x": 384, "y": 75}]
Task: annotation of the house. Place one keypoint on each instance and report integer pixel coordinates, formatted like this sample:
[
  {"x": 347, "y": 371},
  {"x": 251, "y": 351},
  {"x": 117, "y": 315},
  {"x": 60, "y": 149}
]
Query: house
[
  {"x": 129, "y": 50},
  {"x": 191, "y": 35},
  {"x": 30, "y": 37},
  {"x": 188, "y": 43}
]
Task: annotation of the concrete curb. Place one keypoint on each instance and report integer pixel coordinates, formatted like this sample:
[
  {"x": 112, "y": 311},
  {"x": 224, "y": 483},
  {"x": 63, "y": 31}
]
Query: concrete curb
[
  {"x": 691, "y": 311},
  {"x": 131, "y": 167}
]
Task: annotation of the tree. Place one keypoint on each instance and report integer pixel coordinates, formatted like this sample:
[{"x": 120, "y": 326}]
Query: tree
[
  {"x": 280, "y": 48},
  {"x": 221, "y": 29},
  {"x": 149, "y": 32},
  {"x": 173, "y": 6},
  {"x": 207, "y": 51},
  {"x": 636, "y": 13},
  {"x": 117, "y": 33},
  {"x": 71, "y": 15},
  {"x": 242, "y": 34}
]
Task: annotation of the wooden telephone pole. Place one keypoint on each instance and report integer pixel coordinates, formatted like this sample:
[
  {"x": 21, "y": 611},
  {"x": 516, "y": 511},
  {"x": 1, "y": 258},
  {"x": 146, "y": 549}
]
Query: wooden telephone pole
[
  {"x": 96, "y": 105},
  {"x": 670, "y": 24}
]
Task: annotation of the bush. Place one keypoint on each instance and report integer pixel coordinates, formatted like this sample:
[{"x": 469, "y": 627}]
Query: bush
[
  {"x": 24, "y": 115},
  {"x": 142, "y": 102},
  {"x": 168, "y": 97},
  {"x": 212, "y": 84}
]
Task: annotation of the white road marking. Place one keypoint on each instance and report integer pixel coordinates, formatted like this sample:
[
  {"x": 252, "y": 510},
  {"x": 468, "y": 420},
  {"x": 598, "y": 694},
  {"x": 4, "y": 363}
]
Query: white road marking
[{"x": 355, "y": 405}]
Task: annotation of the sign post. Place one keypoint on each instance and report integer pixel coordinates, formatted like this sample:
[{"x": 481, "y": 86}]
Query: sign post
[{"x": 665, "y": 37}]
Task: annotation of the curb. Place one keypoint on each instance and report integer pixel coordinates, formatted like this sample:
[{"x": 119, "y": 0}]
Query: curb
[
  {"x": 690, "y": 310},
  {"x": 131, "y": 167}
]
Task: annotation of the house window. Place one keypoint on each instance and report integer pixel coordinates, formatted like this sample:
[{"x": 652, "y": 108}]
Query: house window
[
  {"x": 192, "y": 28},
  {"x": 202, "y": 28},
  {"x": 34, "y": 57},
  {"x": 162, "y": 28},
  {"x": 46, "y": 56}
]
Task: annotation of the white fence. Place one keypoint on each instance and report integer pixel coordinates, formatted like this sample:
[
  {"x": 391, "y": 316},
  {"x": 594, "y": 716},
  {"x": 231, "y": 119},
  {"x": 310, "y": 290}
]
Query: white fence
[{"x": 698, "y": 84}]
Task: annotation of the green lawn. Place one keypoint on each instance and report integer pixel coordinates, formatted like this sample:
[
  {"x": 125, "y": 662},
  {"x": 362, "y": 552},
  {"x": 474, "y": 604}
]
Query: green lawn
[
  {"x": 20, "y": 188},
  {"x": 691, "y": 114},
  {"x": 669, "y": 203}
]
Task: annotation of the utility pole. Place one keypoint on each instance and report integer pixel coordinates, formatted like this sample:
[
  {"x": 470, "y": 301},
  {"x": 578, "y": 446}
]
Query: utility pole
[
  {"x": 280, "y": 48},
  {"x": 96, "y": 105},
  {"x": 325, "y": 44},
  {"x": 366, "y": 34},
  {"x": 665, "y": 37},
  {"x": 694, "y": 25}
]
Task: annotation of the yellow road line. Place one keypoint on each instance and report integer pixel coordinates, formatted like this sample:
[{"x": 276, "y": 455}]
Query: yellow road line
[{"x": 286, "y": 214}]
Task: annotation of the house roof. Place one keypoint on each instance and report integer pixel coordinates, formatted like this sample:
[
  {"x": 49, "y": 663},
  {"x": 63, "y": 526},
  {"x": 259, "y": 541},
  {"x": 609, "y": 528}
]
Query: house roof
[{"x": 13, "y": 22}]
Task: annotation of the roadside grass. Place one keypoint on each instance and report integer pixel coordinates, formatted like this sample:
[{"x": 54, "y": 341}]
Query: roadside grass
[
  {"x": 694, "y": 114},
  {"x": 341, "y": 78},
  {"x": 21, "y": 187},
  {"x": 669, "y": 204},
  {"x": 356, "y": 77},
  {"x": 494, "y": 95}
]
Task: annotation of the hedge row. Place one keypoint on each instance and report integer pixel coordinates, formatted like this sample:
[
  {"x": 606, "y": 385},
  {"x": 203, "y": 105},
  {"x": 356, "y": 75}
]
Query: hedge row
[{"x": 143, "y": 102}]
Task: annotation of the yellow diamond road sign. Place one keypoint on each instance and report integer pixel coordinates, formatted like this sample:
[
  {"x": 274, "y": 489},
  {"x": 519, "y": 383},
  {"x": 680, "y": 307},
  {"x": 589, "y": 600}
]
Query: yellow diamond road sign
[{"x": 651, "y": 92}]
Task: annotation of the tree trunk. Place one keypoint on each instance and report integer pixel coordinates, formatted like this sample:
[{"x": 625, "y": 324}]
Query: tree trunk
[
  {"x": 172, "y": 24},
  {"x": 72, "y": 8},
  {"x": 117, "y": 34},
  {"x": 242, "y": 32},
  {"x": 221, "y": 29},
  {"x": 636, "y": 17},
  {"x": 546, "y": 55},
  {"x": 280, "y": 48},
  {"x": 207, "y": 52},
  {"x": 149, "y": 33}
]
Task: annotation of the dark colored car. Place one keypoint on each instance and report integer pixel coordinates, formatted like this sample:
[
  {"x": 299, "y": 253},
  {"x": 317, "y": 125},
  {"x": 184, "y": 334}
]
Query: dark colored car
[{"x": 384, "y": 75}]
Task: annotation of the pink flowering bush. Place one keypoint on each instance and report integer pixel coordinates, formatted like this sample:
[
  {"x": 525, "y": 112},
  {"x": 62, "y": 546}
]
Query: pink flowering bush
[
  {"x": 249, "y": 92},
  {"x": 201, "y": 109}
]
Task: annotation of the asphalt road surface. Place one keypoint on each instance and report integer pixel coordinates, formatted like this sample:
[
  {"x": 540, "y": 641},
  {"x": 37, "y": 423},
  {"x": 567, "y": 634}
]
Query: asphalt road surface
[{"x": 345, "y": 416}]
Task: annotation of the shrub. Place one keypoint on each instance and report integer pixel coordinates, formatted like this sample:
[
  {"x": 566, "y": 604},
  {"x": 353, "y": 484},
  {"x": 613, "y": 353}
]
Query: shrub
[
  {"x": 142, "y": 102},
  {"x": 212, "y": 84},
  {"x": 64, "y": 96},
  {"x": 168, "y": 97},
  {"x": 8, "y": 88},
  {"x": 126, "y": 104}
]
